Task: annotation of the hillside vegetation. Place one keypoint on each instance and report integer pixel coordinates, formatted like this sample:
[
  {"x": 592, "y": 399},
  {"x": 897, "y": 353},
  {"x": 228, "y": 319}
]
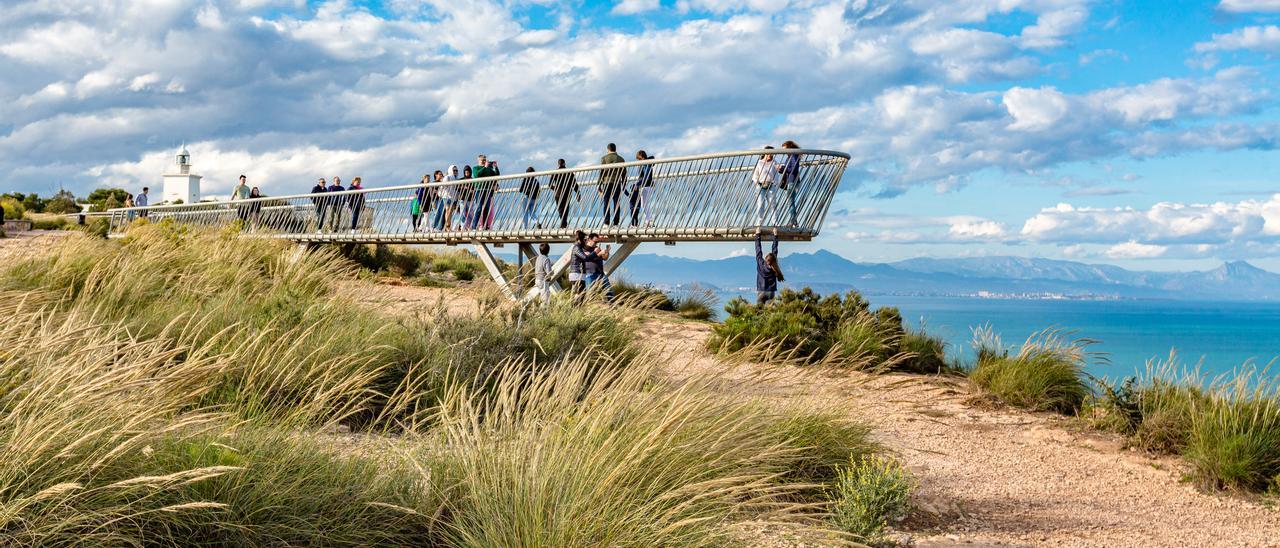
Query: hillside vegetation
[{"x": 183, "y": 387}]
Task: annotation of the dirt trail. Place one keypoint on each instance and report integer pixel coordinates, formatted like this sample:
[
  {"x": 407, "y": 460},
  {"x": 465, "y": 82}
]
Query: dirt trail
[
  {"x": 1004, "y": 477},
  {"x": 18, "y": 245}
]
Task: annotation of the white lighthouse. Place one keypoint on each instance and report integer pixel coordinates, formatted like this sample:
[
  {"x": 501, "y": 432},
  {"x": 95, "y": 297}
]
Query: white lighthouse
[{"x": 181, "y": 183}]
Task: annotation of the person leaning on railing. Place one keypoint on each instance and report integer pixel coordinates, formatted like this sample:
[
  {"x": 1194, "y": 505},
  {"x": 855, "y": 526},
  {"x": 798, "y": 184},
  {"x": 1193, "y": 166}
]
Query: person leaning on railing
[
  {"x": 790, "y": 179},
  {"x": 763, "y": 176}
]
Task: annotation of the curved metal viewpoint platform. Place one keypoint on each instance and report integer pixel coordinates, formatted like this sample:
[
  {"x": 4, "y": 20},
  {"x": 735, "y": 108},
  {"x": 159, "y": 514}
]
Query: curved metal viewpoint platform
[{"x": 704, "y": 198}]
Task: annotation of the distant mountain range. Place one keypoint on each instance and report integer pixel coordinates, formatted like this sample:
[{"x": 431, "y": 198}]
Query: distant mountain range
[{"x": 985, "y": 276}]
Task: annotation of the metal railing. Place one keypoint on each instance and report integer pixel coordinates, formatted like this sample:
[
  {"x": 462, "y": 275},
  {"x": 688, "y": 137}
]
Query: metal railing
[{"x": 706, "y": 197}]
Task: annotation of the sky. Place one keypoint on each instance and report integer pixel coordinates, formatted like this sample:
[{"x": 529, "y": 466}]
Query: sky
[{"x": 1135, "y": 133}]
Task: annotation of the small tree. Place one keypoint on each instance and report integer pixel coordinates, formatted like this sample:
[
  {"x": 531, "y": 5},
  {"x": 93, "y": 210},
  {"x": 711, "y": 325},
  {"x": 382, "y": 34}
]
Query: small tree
[
  {"x": 102, "y": 197},
  {"x": 62, "y": 203}
]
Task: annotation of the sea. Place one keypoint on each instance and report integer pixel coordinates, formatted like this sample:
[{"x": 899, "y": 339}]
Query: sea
[{"x": 1216, "y": 337}]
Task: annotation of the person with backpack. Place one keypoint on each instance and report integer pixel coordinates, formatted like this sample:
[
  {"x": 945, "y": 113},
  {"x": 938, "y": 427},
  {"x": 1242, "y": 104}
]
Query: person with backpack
[
  {"x": 610, "y": 185},
  {"x": 420, "y": 206},
  {"x": 768, "y": 273},
  {"x": 529, "y": 188},
  {"x": 564, "y": 186}
]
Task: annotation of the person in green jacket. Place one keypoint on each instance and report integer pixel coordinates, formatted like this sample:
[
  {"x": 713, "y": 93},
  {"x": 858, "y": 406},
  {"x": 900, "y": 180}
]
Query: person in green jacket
[
  {"x": 610, "y": 185},
  {"x": 482, "y": 198}
]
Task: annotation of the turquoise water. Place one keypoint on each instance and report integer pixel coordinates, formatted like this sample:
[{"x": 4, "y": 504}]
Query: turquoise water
[{"x": 1222, "y": 334}]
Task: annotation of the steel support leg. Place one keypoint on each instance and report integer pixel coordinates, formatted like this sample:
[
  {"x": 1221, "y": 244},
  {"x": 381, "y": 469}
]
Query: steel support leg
[
  {"x": 490, "y": 263},
  {"x": 615, "y": 259}
]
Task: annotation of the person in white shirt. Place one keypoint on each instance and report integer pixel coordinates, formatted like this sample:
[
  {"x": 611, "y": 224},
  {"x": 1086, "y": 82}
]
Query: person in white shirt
[
  {"x": 763, "y": 177},
  {"x": 448, "y": 199},
  {"x": 542, "y": 273}
]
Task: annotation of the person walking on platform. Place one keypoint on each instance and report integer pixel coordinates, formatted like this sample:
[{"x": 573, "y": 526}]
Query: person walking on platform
[
  {"x": 465, "y": 203},
  {"x": 255, "y": 208},
  {"x": 141, "y": 200},
  {"x": 336, "y": 204},
  {"x": 357, "y": 203},
  {"x": 318, "y": 203},
  {"x": 481, "y": 198},
  {"x": 241, "y": 192},
  {"x": 610, "y": 185},
  {"x": 491, "y": 193},
  {"x": 768, "y": 273},
  {"x": 419, "y": 206},
  {"x": 564, "y": 186},
  {"x": 448, "y": 197},
  {"x": 529, "y": 188},
  {"x": 642, "y": 192}
]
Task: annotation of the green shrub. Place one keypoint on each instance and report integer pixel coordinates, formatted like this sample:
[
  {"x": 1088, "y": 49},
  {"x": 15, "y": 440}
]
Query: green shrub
[
  {"x": 96, "y": 227},
  {"x": 829, "y": 441},
  {"x": 574, "y": 458},
  {"x": 927, "y": 353},
  {"x": 1234, "y": 440},
  {"x": 277, "y": 488},
  {"x": 260, "y": 306},
  {"x": 640, "y": 296},
  {"x": 1154, "y": 412},
  {"x": 805, "y": 327},
  {"x": 13, "y": 209},
  {"x": 870, "y": 493},
  {"x": 462, "y": 264},
  {"x": 1047, "y": 373},
  {"x": 50, "y": 223},
  {"x": 695, "y": 304}
]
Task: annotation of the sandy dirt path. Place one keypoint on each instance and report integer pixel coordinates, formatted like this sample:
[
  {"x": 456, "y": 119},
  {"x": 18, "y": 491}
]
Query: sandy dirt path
[{"x": 1002, "y": 477}]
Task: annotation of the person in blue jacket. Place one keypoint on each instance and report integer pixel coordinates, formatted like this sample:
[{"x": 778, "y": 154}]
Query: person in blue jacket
[{"x": 768, "y": 273}]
